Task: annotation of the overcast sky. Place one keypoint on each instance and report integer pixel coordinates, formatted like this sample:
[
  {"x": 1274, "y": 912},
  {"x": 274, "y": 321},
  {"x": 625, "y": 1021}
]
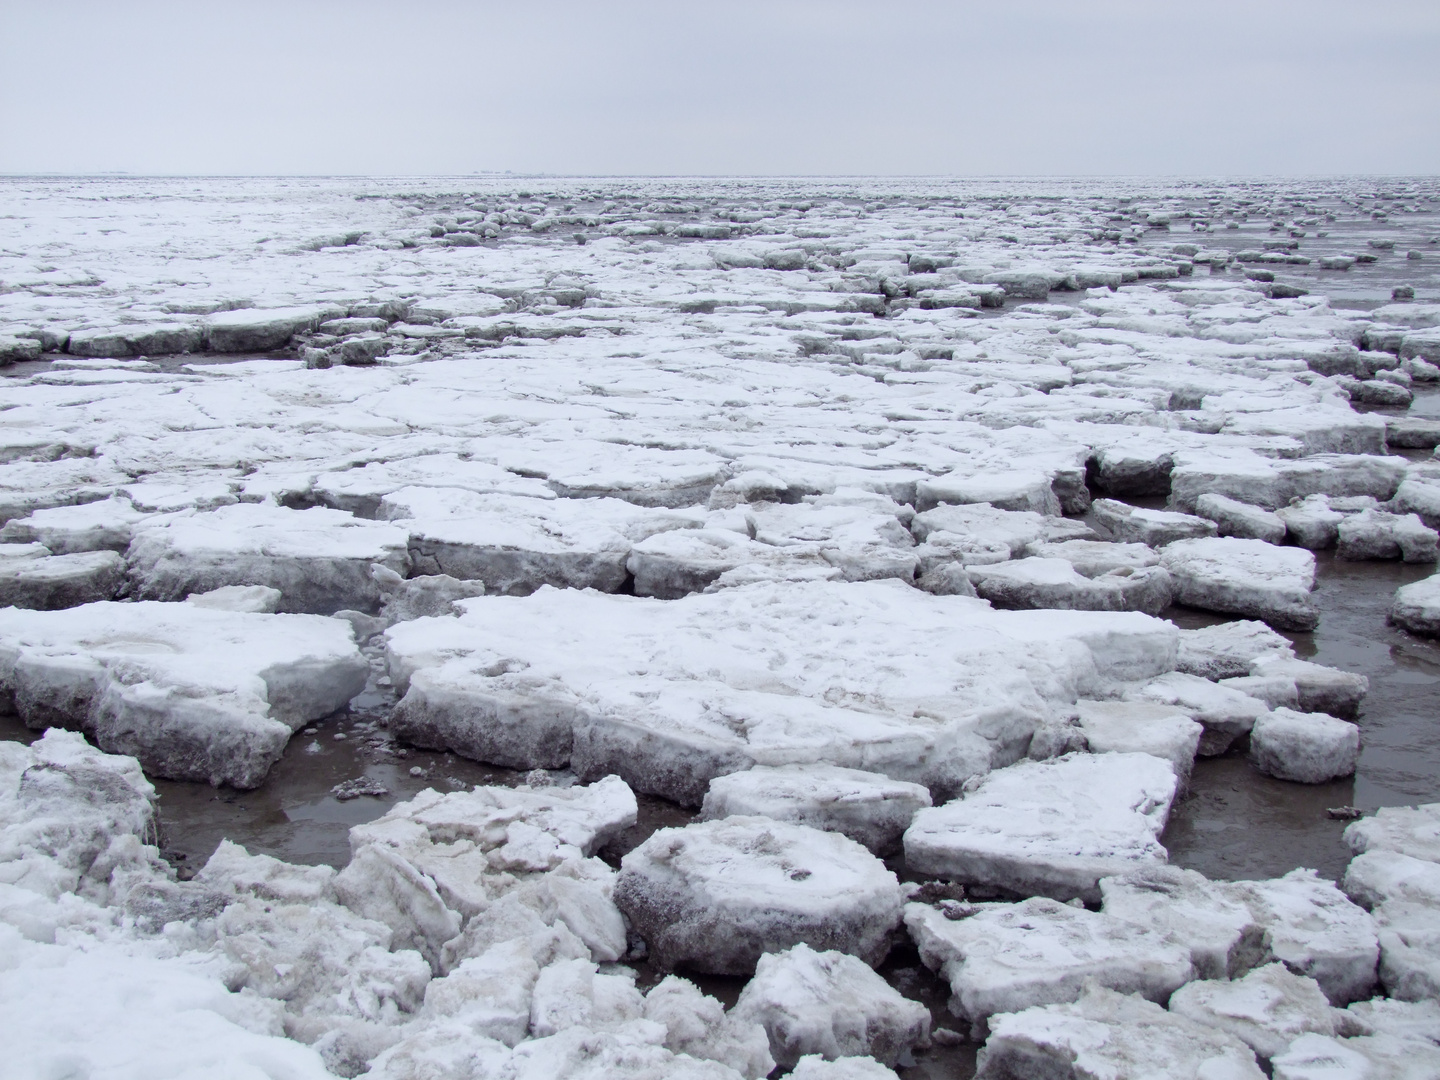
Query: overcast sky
[{"x": 778, "y": 87}]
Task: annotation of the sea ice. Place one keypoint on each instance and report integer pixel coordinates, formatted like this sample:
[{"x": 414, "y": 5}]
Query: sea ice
[
  {"x": 1182, "y": 905},
  {"x": 1224, "y": 712},
  {"x": 1310, "y": 748},
  {"x": 31, "y": 577},
  {"x": 1001, "y": 958},
  {"x": 1235, "y": 518},
  {"x": 1417, "y": 607},
  {"x": 1245, "y": 577},
  {"x": 1110, "y": 1034},
  {"x": 715, "y": 896},
  {"x": 319, "y": 559},
  {"x": 1410, "y": 830},
  {"x": 869, "y": 808},
  {"x": 195, "y": 694},
  {"x": 1049, "y": 828},
  {"x": 830, "y": 1004},
  {"x": 1226, "y": 650},
  {"x": 1267, "y": 1009},
  {"x": 1055, "y": 583},
  {"x": 1142, "y": 727}
]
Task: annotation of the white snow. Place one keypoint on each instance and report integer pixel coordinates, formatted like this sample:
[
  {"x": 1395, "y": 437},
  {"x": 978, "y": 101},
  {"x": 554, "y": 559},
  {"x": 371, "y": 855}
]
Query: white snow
[{"x": 1245, "y": 577}]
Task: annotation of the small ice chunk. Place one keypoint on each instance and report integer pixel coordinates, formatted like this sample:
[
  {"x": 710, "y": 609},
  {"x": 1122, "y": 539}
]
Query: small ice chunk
[
  {"x": 1156, "y": 528},
  {"x": 233, "y": 869},
  {"x": 1376, "y": 534},
  {"x": 1108, "y": 1034},
  {"x": 830, "y": 1004},
  {"x": 716, "y": 895},
  {"x": 1417, "y": 607},
  {"x": 1034, "y": 582},
  {"x": 1008, "y": 957},
  {"x": 1267, "y": 1009},
  {"x": 1314, "y": 930},
  {"x": 1311, "y": 523},
  {"x": 1224, "y": 712},
  {"x": 1320, "y": 688},
  {"x": 869, "y": 808},
  {"x": 1418, "y": 1021},
  {"x": 697, "y": 1024},
  {"x": 572, "y": 994},
  {"x": 1223, "y": 937},
  {"x": 1410, "y": 830},
  {"x": 1142, "y": 727},
  {"x": 1227, "y": 649},
  {"x": 1049, "y": 828},
  {"x": 1309, "y": 748},
  {"x": 1245, "y": 577},
  {"x": 256, "y": 598},
  {"x": 1235, "y": 518},
  {"x": 1409, "y": 935},
  {"x": 491, "y": 993}
]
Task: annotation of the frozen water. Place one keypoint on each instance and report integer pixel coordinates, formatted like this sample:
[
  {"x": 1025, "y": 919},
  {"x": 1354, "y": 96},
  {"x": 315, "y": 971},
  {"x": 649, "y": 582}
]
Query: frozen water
[
  {"x": 716, "y": 896},
  {"x": 1223, "y": 937},
  {"x": 1310, "y": 748},
  {"x": 1245, "y": 577},
  {"x": 1417, "y": 607},
  {"x": 1142, "y": 727},
  {"x": 869, "y": 808},
  {"x": 1410, "y": 830},
  {"x": 1002, "y": 958},
  {"x": 1049, "y": 828},
  {"x": 1267, "y": 1009},
  {"x": 194, "y": 693},
  {"x": 1104, "y": 1033},
  {"x": 830, "y": 1004}
]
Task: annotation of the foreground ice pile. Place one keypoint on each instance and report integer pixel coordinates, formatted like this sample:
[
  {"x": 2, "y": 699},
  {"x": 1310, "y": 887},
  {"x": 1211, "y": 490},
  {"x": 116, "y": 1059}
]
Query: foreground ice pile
[{"x": 843, "y": 514}]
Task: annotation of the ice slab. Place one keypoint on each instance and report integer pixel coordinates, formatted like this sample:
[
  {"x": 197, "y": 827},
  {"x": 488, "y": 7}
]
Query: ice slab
[
  {"x": 830, "y": 1004},
  {"x": 1378, "y": 877},
  {"x": 1417, "y": 607},
  {"x": 717, "y": 895},
  {"x": 1104, "y": 1033},
  {"x": 319, "y": 559},
  {"x": 31, "y": 577},
  {"x": 1314, "y": 930},
  {"x": 1319, "y": 1057},
  {"x": 1267, "y": 1009},
  {"x": 871, "y": 809},
  {"x": 1002, "y": 958},
  {"x": 195, "y": 694},
  {"x": 104, "y": 525},
  {"x": 1309, "y": 748},
  {"x": 1235, "y": 518},
  {"x": 1245, "y": 577},
  {"x": 1226, "y": 650},
  {"x": 1095, "y": 558},
  {"x": 1182, "y": 905},
  {"x": 697, "y": 1024},
  {"x": 870, "y": 675},
  {"x": 1224, "y": 712},
  {"x": 1318, "y": 688},
  {"x": 1142, "y": 727},
  {"x": 1376, "y": 534},
  {"x": 1410, "y": 830},
  {"x": 1155, "y": 528},
  {"x": 1036, "y": 582},
  {"x": 1049, "y": 828}
]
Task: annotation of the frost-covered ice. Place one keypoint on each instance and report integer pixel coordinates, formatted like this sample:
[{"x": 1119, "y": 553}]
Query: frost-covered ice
[
  {"x": 1410, "y": 830},
  {"x": 1310, "y": 748},
  {"x": 670, "y": 694},
  {"x": 195, "y": 693},
  {"x": 715, "y": 896},
  {"x": 767, "y": 409},
  {"x": 1245, "y": 577},
  {"x": 867, "y": 807},
  {"x": 1417, "y": 607},
  {"x": 830, "y": 1004},
  {"x": 1105, "y": 1033},
  {"x": 1267, "y": 1009},
  {"x": 1002, "y": 958},
  {"x": 1049, "y": 828}
]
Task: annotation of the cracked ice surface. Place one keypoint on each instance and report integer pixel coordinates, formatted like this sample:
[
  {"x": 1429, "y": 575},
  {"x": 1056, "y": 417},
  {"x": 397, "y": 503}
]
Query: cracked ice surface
[{"x": 686, "y": 478}]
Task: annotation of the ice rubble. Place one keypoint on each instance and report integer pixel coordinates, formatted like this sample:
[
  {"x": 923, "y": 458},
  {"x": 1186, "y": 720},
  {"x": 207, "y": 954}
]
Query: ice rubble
[
  {"x": 531, "y": 412},
  {"x": 195, "y": 693}
]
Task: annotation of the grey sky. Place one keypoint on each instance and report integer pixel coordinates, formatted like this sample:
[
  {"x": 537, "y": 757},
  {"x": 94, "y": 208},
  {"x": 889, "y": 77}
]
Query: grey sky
[{"x": 785, "y": 87}]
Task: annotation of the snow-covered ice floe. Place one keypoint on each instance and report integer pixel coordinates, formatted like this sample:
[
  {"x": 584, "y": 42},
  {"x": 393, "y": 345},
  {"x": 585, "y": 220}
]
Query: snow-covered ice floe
[
  {"x": 671, "y": 694},
  {"x": 195, "y": 693}
]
